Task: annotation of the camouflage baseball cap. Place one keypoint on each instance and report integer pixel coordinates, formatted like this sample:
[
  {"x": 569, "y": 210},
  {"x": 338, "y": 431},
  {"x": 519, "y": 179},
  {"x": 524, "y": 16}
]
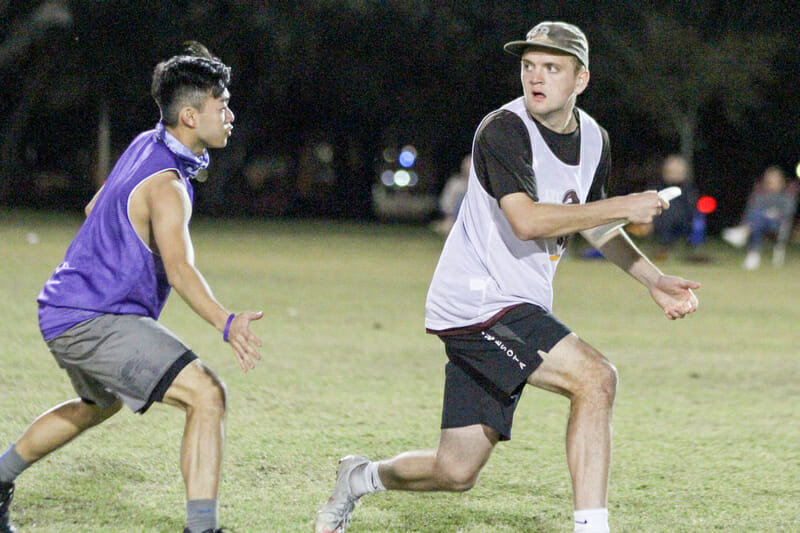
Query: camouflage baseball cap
[{"x": 553, "y": 36}]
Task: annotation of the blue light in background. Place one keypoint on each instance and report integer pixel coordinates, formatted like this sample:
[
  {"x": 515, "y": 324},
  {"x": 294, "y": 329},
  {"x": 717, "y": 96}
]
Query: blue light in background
[
  {"x": 406, "y": 159},
  {"x": 408, "y": 155}
]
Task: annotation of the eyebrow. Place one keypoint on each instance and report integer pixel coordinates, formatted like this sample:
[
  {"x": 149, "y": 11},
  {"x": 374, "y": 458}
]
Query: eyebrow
[{"x": 546, "y": 63}]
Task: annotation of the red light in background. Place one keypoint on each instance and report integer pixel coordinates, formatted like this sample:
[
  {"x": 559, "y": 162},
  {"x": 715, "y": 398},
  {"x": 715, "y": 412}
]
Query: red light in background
[{"x": 706, "y": 204}]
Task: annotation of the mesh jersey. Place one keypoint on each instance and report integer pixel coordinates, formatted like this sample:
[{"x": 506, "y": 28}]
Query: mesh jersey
[
  {"x": 107, "y": 267},
  {"x": 484, "y": 267}
]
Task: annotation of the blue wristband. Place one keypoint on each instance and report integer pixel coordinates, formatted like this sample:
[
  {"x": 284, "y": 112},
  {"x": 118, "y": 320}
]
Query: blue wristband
[{"x": 228, "y": 327}]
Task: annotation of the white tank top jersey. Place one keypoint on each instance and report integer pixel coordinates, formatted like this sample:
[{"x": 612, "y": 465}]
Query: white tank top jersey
[{"x": 484, "y": 267}]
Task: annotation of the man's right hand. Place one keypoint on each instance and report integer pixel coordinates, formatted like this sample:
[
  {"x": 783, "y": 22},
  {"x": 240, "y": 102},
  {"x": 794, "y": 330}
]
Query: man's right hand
[
  {"x": 643, "y": 207},
  {"x": 243, "y": 341}
]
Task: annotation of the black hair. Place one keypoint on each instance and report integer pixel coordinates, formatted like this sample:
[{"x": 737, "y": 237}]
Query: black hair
[{"x": 187, "y": 79}]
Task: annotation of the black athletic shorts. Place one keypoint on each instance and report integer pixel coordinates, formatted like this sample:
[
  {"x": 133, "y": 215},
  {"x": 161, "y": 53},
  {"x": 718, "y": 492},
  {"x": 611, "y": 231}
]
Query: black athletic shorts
[{"x": 487, "y": 370}]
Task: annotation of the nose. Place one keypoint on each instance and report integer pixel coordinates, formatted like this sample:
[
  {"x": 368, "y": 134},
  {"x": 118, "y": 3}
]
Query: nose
[
  {"x": 229, "y": 116},
  {"x": 536, "y": 76}
]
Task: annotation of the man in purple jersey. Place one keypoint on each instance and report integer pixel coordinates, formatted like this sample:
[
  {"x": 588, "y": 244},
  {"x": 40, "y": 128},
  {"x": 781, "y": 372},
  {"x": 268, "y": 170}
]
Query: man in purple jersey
[
  {"x": 98, "y": 311},
  {"x": 538, "y": 174}
]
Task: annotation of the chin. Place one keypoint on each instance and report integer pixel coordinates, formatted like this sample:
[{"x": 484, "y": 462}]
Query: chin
[{"x": 533, "y": 105}]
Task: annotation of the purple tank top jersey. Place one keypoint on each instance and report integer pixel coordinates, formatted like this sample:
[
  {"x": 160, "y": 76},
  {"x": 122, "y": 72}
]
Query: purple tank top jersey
[{"x": 108, "y": 269}]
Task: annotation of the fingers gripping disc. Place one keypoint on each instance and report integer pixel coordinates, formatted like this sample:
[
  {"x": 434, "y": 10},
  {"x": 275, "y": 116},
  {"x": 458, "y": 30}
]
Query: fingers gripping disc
[
  {"x": 598, "y": 233},
  {"x": 670, "y": 193}
]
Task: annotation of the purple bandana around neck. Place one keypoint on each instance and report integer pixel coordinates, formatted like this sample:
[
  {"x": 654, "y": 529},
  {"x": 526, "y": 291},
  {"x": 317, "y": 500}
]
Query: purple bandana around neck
[{"x": 190, "y": 163}]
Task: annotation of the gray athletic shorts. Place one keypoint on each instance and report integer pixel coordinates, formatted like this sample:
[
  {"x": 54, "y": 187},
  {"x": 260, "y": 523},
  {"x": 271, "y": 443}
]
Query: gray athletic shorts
[{"x": 127, "y": 357}]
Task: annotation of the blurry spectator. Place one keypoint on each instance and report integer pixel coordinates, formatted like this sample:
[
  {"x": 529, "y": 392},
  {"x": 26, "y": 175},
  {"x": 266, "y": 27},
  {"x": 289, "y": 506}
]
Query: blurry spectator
[
  {"x": 316, "y": 177},
  {"x": 452, "y": 194},
  {"x": 681, "y": 222},
  {"x": 770, "y": 210},
  {"x": 265, "y": 189}
]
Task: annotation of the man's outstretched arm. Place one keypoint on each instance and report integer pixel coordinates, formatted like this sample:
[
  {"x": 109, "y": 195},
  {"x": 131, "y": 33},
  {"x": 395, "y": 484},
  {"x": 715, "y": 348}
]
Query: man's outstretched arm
[
  {"x": 673, "y": 294},
  {"x": 169, "y": 212}
]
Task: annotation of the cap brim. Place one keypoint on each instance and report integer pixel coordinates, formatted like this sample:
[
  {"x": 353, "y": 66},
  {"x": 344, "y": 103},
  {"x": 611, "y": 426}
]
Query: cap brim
[{"x": 517, "y": 48}]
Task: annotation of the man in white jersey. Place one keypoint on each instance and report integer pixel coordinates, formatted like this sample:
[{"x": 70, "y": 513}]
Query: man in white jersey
[{"x": 539, "y": 171}]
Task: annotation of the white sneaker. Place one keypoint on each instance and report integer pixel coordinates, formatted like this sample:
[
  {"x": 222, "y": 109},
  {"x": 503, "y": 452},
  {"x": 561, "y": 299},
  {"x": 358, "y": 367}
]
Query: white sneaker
[
  {"x": 752, "y": 261},
  {"x": 736, "y": 236},
  {"x": 334, "y": 516}
]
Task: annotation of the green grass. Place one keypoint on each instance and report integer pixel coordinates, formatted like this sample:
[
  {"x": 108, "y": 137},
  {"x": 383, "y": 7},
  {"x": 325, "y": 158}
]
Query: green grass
[{"x": 706, "y": 433}]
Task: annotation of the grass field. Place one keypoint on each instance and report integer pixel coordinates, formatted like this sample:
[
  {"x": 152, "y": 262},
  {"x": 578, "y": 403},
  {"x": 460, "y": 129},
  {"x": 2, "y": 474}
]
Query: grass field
[{"x": 707, "y": 436}]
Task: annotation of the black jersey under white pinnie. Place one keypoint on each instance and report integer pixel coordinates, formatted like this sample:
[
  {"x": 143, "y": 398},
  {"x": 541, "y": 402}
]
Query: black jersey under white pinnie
[{"x": 484, "y": 267}]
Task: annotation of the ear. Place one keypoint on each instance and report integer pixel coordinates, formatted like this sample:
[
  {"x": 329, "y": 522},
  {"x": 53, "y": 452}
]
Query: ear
[
  {"x": 582, "y": 81},
  {"x": 188, "y": 117}
]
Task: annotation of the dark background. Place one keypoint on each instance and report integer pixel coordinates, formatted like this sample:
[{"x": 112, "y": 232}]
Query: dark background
[{"x": 321, "y": 88}]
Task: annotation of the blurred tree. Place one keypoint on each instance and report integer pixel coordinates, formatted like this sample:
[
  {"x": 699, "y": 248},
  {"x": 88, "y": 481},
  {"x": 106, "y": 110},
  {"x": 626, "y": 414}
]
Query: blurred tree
[
  {"x": 25, "y": 31},
  {"x": 362, "y": 73},
  {"x": 670, "y": 65},
  {"x": 30, "y": 28},
  {"x": 374, "y": 74}
]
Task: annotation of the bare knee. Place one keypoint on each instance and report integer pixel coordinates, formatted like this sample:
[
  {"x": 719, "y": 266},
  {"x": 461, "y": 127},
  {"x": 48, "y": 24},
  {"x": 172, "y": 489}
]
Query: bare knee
[
  {"x": 593, "y": 378},
  {"x": 600, "y": 384},
  {"x": 577, "y": 371},
  {"x": 210, "y": 398},
  {"x": 609, "y": 377},
  {"x": 198, "y": 392},
  {"x": 462, "y": 483},
  {"x": 457, "y": 477}
]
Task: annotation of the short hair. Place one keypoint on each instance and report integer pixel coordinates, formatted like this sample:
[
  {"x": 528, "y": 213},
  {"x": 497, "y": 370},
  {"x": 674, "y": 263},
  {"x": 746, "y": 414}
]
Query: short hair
[{"x": 187, "y": 79}]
